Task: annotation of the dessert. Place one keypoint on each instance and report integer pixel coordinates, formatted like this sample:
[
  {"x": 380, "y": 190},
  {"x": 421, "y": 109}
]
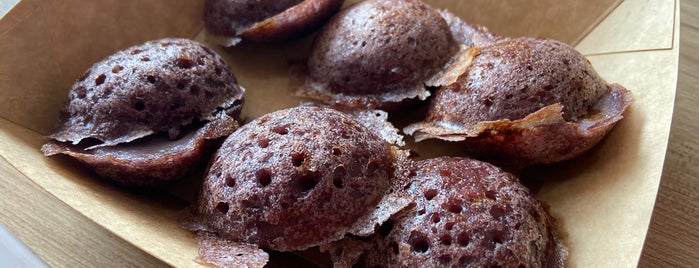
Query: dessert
[
  {"x": 377, "y": 54},
  {"x": 231, "y": 21},
  {"x": 294, "y": 179},
  {"x": 149, "y": 113},
  {"x": 524, "y": 101},
  {"x": 467, "y": 213}
]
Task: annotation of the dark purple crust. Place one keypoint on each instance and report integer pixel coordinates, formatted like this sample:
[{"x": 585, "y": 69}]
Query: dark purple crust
[
  {"x": 524, "y": 101},
  {"x": 265, "y": 21},
  {"x": 467, "y": 213},
  {"x": 232, "y": 17},
  {"x": 293, "y": 22},
  {"x": 536, "y": 141},
  {"x": 159, "y": 86},
  {"x": 152, "y": 160},
  {"x": 294, "y": 179},
  {"x": 515, "y": 77},
  {"x": 378, "y": 52}
]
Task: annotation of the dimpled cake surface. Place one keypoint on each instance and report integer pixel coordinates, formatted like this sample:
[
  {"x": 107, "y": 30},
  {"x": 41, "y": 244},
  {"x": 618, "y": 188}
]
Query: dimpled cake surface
[
  {"x": 158, "y": 86},
  {"x": 295, "y": 178},
  {"x": 467, "y": 213},
  {"x": 376, "y": 52}
]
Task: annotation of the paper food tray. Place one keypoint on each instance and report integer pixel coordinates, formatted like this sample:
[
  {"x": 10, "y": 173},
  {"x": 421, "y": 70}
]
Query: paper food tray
[{"x": 602, "y": 200}]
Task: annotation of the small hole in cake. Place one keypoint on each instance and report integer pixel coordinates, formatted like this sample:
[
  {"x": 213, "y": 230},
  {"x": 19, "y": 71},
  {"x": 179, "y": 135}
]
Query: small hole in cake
[
  {"x": 151, "y": 79},
  {"x": 306, "y": 181},
  {"x": 435, "y": 217},
  {"x": 407, "y": 186},
  {"x": 182, "y": 84},
  {"x": 139, "y": 106},
  {"x": 386, "y": 228},
  {"x": 492, "y": 195},
  {"x": 464, "y": 260},
  {"x": 281, "y": 130},
  {"x": 445, "y": 239},
  {"x": 421, "y": 212},
  {"x": 452, "y": 206},
  {"x": 222, "y": 207},
  {"x": 230, "y": 181},
  {"x": 448, "y": 226},
  {"x": 419, "y": 242},
  {"x": 444, "y": 259},
  {"x": 184, "y": 62},
  {"x": 135, "y": 51},
  {"x": 285, "y": 205},
  {"x": 524, "y": 88},
  {"x": 263, "y": 142},
  {"x": 217, "y": 71},
  {"x": 264, "y": 177},
  {"x": 338, "y": 175},
  {"x": 463, "y": 239},
  {"x": 100, "y": 79},
  {"x": 80, "y": 92},
  {"x": 498, "y": 237},
  {"x": 194, "y": 90},
  {"x": 445, "y": 173},
  {"x": 117, "y": 69},
  {"x": 337, "y": 151},
  {"x": 497, "y": 212},
  {"x": 430, "y": 194},
  {"x": 145, "y": 58},
  {"x": 297, "y": 159}
]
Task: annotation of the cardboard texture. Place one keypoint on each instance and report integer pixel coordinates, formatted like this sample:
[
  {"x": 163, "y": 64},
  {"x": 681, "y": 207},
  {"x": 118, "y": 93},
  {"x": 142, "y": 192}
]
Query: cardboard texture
[{"x": 603, "y": 200}]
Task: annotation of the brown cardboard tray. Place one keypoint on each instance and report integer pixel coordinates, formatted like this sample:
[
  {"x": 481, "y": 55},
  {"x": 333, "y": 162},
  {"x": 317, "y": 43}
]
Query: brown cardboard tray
[{"x": 603, "y": 200}]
